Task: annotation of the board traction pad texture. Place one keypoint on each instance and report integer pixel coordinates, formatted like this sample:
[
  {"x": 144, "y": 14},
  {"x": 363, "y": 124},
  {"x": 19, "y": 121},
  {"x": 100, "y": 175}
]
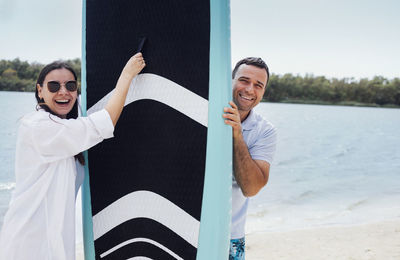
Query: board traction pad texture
[{"x": 158, "y": 153}]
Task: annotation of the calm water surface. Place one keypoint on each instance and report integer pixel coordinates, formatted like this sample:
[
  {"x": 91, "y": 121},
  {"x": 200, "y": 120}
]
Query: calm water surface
[
  {"x": 13, "y": 106},
  {"x": 334, "y": 165}
]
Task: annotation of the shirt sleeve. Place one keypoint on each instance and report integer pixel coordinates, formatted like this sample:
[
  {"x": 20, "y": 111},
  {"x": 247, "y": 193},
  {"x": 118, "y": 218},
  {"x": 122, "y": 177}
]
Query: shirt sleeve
[
  {"x": 55, "y": 138},
  {"x": 265, "y": 146}
]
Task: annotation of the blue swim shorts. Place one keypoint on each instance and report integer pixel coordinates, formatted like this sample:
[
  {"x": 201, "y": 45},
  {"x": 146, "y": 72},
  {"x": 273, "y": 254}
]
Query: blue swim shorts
[{"x": 236, "y": 251}]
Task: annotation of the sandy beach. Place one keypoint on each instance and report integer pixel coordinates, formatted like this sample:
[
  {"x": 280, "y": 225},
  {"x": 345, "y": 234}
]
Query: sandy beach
[{"x": 376, "y": 241}]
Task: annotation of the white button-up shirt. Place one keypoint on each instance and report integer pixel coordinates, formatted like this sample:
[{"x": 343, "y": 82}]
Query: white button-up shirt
[{"x": 40, "y": 222}]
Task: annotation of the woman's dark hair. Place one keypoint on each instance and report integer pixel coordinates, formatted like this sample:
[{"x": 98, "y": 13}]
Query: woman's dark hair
[{"x": 40, "y": 102}]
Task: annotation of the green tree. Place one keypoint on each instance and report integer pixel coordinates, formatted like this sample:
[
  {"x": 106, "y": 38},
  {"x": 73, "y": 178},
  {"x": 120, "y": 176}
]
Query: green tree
[{"x": 9, "y": 74}]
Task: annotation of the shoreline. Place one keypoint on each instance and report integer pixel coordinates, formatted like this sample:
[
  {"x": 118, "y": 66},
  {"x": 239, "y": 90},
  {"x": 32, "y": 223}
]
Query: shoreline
[
  {"x": 301, "y": 102},
  {"x": 377, "y": 240},
  {"x": 327, "y": 103}
]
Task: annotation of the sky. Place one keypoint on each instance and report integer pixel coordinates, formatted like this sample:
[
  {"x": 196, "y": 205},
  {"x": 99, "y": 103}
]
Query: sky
[{"x": 341, "y": 39}]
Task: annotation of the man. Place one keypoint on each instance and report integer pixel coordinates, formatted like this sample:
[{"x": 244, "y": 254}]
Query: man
[{"x": 254, "y": 143}]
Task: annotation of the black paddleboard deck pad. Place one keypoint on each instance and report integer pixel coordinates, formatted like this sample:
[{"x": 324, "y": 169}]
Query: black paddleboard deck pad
[{"x": 147, "y": 183}]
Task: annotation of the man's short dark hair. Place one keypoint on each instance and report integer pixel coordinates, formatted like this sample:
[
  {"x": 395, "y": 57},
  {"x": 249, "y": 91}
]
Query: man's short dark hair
[{"x": 254, "y": 61}]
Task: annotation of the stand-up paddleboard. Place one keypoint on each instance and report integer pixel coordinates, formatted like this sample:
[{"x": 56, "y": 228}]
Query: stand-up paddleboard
[{"x": 160, "y": 189}]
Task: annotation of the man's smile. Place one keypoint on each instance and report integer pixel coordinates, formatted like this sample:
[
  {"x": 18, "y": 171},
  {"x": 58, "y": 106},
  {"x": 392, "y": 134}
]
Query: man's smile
[{"x": 248, "y": 98}]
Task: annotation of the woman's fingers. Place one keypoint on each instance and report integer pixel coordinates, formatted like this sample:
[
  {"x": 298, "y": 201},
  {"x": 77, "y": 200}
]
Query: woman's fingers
[
  {"x": 135, "y": 64},
  {"x": 138, "y": 55},
  {"x": 139, "y": 58}
]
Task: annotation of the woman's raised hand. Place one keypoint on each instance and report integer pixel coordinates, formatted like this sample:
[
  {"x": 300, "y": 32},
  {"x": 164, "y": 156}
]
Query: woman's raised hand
[{"x": 134, "y": 65}]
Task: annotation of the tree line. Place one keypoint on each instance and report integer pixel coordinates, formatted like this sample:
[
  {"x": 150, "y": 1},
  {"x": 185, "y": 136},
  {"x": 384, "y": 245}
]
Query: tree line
[
  {"x": 17, "y": 75},
  {"x": 377, "y": 91}
]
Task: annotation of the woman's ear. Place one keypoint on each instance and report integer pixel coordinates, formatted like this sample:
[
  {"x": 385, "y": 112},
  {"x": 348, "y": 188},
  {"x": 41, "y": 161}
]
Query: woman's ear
[{"x": 39, "y": 88}]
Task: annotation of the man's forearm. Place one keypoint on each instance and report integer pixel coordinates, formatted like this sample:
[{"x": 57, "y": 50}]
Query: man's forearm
[{"x": 248, "y": 174}]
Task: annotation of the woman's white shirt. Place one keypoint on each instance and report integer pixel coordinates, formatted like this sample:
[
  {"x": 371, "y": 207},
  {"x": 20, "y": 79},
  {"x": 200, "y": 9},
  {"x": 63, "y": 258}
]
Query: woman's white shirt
[{"x": 40, "y": 222}]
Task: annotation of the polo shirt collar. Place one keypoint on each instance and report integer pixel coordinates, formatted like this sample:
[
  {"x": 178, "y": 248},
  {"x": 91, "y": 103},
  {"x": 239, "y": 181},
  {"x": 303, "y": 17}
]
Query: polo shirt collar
[{"x": 250, "y": 122}]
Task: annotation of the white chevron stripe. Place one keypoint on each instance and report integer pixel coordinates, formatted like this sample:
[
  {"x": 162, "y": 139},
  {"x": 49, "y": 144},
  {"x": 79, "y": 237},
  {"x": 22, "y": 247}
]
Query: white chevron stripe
[
  {"x": 147, "y": 204},
  {"x": 140, "y": 239},
  {"x": 140, "y": 258},
  {"x": 152, "y": 86}
]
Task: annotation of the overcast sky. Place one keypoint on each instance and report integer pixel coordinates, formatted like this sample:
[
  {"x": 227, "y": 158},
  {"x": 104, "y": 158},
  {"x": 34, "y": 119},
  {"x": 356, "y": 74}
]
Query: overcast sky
[{"x": 352, "y": 38}]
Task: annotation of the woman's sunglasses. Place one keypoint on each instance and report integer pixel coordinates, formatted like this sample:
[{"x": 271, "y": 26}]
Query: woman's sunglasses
[{"x": 55, "y": 86}]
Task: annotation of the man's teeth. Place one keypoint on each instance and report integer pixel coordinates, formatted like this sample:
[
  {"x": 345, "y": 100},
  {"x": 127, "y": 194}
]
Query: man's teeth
[{"x": 247, "y": 98}]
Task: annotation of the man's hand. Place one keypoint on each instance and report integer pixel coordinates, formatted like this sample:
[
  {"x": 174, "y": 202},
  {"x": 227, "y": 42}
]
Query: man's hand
[
  {"x": 251, "y": 175},
  {"x": 232, "y": 118}
]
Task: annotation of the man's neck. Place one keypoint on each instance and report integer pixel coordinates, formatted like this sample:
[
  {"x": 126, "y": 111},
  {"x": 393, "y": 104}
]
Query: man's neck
[{"x": 243, "y": 115}]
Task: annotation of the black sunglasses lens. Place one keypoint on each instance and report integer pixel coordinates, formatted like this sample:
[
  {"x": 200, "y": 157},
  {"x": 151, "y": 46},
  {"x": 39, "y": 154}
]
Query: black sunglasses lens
[
  {"x": 71, "y": 86},
  {"x": 53, "y": 86}
]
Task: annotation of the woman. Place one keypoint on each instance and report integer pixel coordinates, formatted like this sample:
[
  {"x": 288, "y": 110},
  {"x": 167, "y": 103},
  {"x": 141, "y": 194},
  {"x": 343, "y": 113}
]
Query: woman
[{"x": 40, "y": 222}]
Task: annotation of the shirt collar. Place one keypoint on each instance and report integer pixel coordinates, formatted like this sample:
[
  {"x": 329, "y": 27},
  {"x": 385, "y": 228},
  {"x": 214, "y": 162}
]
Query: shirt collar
[{"x": 249, "y": 122}]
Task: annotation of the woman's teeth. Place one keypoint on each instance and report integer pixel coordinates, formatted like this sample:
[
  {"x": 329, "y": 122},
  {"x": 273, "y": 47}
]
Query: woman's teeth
[{"x": 62, "y": 101}]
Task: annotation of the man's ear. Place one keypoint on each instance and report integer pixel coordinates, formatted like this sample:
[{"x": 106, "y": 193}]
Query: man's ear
[{"x": 39, "y": 88}]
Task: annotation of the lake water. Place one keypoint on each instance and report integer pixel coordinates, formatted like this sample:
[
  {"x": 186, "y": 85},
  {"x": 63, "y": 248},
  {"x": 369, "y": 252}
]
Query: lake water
[{"x": 334, "y": 165}]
